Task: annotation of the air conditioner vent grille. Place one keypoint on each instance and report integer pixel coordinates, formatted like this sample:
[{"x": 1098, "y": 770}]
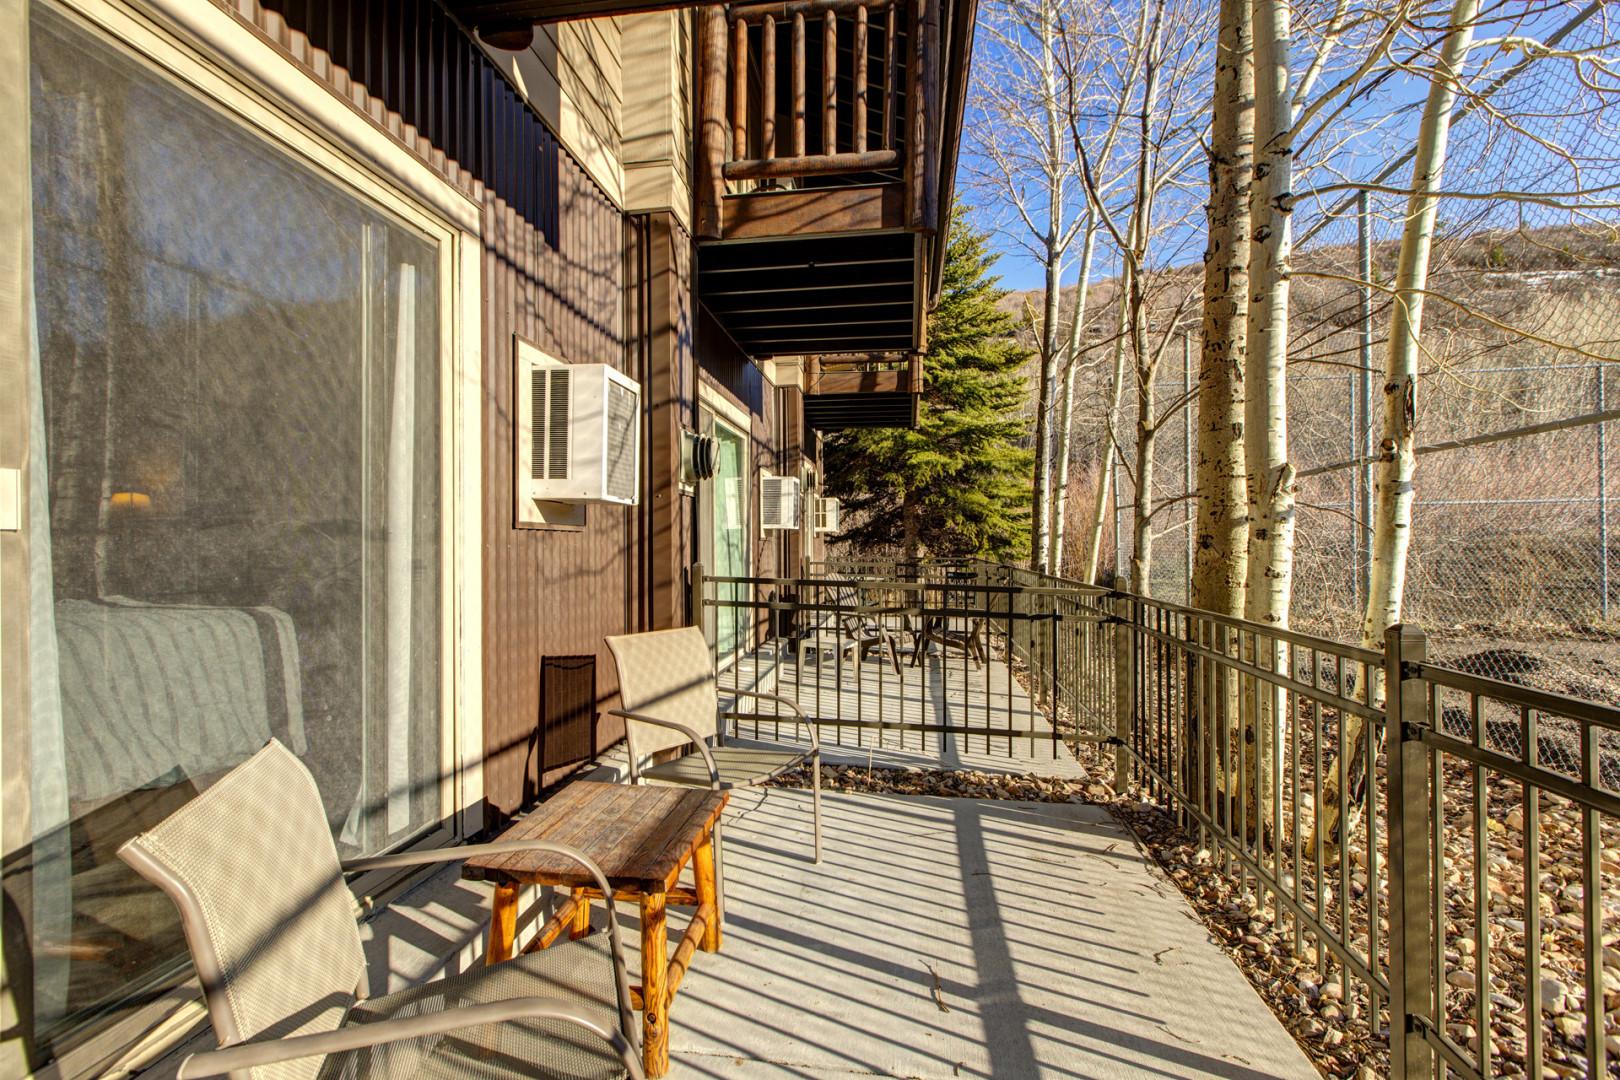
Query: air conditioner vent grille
[
  {"x": 623, "y": 432},
  {"x": 557, "y": 417}
]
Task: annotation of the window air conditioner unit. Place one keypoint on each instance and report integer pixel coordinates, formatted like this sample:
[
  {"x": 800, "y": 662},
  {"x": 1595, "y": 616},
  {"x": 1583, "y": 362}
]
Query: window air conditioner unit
[
  {"x": 578, "y": 434},
  {"x": 827, "y": 511},
  {"x": 778, "y": 502}
]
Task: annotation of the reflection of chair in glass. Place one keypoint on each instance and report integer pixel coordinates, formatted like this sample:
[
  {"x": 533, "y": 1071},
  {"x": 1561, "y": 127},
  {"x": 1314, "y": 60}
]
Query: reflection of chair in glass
[
  {"x": 156, "y": 701},
  {"x": 667, "y": 683},
  {"x": 270, "y": 924}
]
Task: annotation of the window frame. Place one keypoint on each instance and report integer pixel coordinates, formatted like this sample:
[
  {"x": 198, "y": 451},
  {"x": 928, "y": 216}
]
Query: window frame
[{"x": 226, "y": 64}]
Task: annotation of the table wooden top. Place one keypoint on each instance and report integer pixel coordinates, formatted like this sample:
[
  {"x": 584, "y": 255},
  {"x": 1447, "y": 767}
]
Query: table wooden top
[{"x": 639, "y": 836}]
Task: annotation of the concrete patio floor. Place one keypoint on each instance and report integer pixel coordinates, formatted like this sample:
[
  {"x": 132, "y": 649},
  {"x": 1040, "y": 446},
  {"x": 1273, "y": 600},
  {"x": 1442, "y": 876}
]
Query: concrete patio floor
[
  {"x": 945, "y": 938},
  {"x": 945, "y": 691}
]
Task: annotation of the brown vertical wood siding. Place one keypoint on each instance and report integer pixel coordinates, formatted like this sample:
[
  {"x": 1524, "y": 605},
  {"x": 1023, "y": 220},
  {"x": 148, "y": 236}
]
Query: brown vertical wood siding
[{"x": 548, "y": 591}]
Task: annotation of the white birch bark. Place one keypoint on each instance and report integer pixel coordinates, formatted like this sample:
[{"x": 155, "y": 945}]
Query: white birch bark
[
  {"x": 1219, "y": 566},
  {"x": 1270, "y": 482},
  {"x": 1392, "y": 490},
  {"x": 1065, "y": 424},
  {"x": 1105, "y": 455},
  {"x": 1054, "y": 243}
]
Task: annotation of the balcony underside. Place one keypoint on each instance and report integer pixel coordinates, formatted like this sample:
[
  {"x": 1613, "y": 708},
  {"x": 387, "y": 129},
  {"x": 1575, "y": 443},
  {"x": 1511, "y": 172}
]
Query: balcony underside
[
  {"x": 808, "y": 295},
  {"x": 834, "y": 412}
]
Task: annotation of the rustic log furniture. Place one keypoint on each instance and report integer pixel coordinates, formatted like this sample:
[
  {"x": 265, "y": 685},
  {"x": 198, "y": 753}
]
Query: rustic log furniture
[
  {"x": 641, "y": 838},
  {"x": 270, "y": 924}
]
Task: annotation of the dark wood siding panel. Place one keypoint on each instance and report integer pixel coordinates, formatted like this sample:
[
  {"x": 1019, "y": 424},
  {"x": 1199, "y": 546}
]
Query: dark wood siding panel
[
  {"x": 547, "y": 592},
  {"x": 413, "y": 58}
]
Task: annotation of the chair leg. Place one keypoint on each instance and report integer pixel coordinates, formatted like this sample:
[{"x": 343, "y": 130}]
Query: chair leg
[
  {"x": 815, "y": 798},
  {"x": 894, "y": 651}
]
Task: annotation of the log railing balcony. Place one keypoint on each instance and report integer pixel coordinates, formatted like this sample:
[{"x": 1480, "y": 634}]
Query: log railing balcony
[
  {"x": 862, "y": 391},
  {"x": 827, "y": 141},
  {"x": 818, "y": 94}
]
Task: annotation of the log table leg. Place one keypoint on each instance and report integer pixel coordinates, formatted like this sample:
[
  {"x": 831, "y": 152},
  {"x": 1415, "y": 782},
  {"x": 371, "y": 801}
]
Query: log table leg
[
  {"x": 707, "y": 894},
  {"x": 502, "y": 924},
  {"x": 654, "y": 984},
  {"x": 582, "y": 916}
]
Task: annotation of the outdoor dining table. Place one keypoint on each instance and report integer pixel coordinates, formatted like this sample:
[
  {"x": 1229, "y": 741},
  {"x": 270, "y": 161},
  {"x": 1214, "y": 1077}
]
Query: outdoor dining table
[{"x": 641, "y": 837}]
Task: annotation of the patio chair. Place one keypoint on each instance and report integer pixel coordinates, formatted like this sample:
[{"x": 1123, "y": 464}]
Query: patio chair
[
  {"x": 866, "y": 634},
  {"x": 667, "y": 682},
  {"x": 271, "y": 928}
]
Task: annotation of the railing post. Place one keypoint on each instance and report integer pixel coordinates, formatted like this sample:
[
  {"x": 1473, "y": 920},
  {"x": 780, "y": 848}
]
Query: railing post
[
  {"x": 1411, "y": 944},
  {"x": 694, "y": 596},
  {"x": 1124, "y": 680},
  {"x": 713, "y": 135}
]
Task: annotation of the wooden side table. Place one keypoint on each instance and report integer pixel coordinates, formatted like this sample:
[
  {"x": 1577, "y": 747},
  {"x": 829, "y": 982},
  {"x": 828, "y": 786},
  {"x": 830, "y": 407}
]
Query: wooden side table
[{"x": 641, "y": 837}]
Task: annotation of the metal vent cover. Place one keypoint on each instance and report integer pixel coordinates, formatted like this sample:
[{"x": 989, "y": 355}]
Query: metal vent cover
[{"x": 623, "y": 432}]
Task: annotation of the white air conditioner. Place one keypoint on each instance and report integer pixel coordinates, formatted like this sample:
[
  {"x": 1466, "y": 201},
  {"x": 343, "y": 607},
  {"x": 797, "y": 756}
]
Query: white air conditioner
[
  {"x": 778, "y": 502},
  {"x": 578, "y": 434},
  {"x": 827, "y": 511}
]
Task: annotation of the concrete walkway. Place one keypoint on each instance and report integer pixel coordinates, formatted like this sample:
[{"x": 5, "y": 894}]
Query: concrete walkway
[
  {"x": 945, "y": 938},
  {"x": 948, "y": 691}
]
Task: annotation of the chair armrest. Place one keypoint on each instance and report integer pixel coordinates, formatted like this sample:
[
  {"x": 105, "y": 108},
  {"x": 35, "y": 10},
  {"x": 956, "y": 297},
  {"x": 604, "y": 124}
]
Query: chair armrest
[
  {"x": 251, "y": 1055},
  {"x": 802, "y": 719},
  {"x": 693, "y": 736},
  {"x": 621, "y": 980}
]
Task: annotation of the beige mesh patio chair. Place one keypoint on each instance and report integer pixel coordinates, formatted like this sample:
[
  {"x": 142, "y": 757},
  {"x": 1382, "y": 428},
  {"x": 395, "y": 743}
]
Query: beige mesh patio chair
[
  {"x": 667, "y": 682},
  {"x": 271, "y": 928}
]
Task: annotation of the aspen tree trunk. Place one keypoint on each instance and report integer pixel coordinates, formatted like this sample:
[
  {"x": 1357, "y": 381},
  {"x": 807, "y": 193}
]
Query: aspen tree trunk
[
  {"x": 1146, "y": 359},
  {"x": 1065, "y": 427},
  {"x": 1219, "y": 562},
  {"x": 1270, "y": 487},
  {"x": 1147, "y": 433},
  {"x": 1040, "y": 520},
  {"x": 1105, "y": 457},
  {"x": 1392, "y": 489}
]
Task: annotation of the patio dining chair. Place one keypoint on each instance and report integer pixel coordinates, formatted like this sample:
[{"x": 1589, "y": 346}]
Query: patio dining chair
[
  {"x": 270, "y": 924},
  {"x": 865, "y": 633},
  {"x": 671, "y": 700}
]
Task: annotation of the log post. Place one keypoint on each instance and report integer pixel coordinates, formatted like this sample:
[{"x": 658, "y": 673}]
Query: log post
[
  {"x": 916, "y": 136},
  {"x": 829, "y": 82},
  {"x": 859, "y": 124},
  {"x": 767, "y": 86},
  {"x": 739, "y": 89},
  {"x": 930, "y": 80},
  {"x": 891, "y": 65},
  {"x": 800, "y": 89},
  {"x": 712, "y": 135}
]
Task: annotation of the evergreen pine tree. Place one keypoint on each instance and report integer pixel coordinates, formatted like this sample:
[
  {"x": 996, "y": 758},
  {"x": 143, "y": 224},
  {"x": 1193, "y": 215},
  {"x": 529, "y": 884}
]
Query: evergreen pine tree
[{"x": 958, "y": 483}]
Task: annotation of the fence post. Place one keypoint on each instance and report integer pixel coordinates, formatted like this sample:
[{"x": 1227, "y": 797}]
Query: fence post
[
  {"x": 1124, "y": 680},
  {"x": 1411, "y": 943}
]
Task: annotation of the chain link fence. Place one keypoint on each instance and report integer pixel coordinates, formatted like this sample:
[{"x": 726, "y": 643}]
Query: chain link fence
[{"x": 1515, "y": 543}]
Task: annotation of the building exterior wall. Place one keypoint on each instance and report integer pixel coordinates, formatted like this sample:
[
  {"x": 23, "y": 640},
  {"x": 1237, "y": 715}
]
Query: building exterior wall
[
  {"x": 553, "y": 273},
  {"x": 582, "y": 193}
]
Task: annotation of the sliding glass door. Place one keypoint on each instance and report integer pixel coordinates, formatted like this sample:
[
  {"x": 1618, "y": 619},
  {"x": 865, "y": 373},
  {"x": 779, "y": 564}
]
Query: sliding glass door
[{"x": 235, "y": 523}]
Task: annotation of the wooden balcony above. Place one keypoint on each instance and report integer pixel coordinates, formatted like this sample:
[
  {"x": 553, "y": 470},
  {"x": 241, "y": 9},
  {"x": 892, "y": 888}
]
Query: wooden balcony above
[
  {"x": 827, "y": 135},
  {"x": 869, "y": 391}
]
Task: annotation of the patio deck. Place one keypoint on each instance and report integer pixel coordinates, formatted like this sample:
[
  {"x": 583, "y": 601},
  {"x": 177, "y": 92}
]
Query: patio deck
[
  {"x": 946, "y": 938},
  {"x": 943, "y": 690}
]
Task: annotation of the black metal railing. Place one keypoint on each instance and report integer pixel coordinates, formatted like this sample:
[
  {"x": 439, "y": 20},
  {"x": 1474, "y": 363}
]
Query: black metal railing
[{"x": 1441, "y": 848}]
